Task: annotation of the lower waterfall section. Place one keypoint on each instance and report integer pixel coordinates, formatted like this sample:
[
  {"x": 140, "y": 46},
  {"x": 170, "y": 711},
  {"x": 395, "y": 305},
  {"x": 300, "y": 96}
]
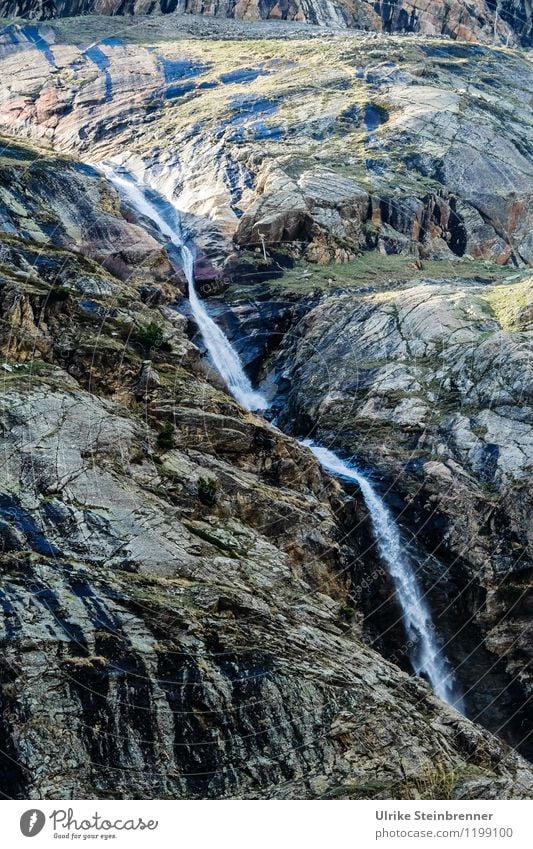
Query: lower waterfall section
[{"x": 427, "y": 658}]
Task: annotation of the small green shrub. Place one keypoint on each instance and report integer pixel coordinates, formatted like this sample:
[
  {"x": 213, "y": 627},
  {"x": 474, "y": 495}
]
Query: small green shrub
[
  {"x": 58, "y": 293},
  {"x": 207, "y": 491},
  {"x": 165, "y": 437},
  {"x": 152, "y": 336},
  {"x": 347, "y": 612}
]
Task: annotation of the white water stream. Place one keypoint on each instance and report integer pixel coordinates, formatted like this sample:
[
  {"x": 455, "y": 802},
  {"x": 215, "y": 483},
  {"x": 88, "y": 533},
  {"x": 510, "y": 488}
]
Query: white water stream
[
  {"x": 426, "y": 657},
  {"x": 223, "y": 356}
]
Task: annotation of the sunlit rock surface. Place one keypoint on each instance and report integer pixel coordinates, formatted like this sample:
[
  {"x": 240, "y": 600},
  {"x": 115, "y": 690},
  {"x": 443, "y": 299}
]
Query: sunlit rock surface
[
  {"x": 337, "y": 143},
  {"x": 482, "y": 20},
  {"x": 175, "y": 586}
]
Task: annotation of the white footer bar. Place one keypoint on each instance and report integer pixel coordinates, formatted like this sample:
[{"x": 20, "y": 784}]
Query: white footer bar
[{"x": 267, "y": 824}]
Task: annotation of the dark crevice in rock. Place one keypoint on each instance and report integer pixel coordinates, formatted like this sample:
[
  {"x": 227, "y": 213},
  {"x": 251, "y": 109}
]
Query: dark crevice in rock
[{"x": 13, "y": 777}]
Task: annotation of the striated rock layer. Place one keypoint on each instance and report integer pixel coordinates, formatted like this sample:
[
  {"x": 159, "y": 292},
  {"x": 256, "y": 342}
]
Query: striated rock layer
[
  {"x": 322, "y": 148},
  {"x": 504, "y": 22}
]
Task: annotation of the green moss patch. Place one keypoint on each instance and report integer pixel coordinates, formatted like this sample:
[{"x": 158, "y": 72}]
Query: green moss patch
[{"x": 374, "y": 269}]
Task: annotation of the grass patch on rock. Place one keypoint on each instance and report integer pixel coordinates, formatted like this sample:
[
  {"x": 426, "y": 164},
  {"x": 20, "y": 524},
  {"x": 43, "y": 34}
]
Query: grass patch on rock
[
  {"x": 377, "y": 270},
  {"x": 509, "y": 302}
]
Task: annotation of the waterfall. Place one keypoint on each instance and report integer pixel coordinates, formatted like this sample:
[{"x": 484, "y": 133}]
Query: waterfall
[
  {"x": 223, "y": 356},
  {"x": 427, "y": 659},
  {"x": 128, "y": 188}
]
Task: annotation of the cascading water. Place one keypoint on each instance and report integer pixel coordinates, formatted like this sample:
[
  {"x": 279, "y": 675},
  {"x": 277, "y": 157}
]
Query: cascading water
[
  {"x": 128, "y": 188},
  {"x": 428, "y": 659},
  {"x": 223, "y": 356}
]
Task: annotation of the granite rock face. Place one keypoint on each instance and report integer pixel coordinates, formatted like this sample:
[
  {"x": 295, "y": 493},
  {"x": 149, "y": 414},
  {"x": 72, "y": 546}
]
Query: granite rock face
[
  {"x": 322, "y": 148},
  {"x": 430, "y": 383},
  {"x": 176, "y": 584},
  {"x": 507, "y": 22}
]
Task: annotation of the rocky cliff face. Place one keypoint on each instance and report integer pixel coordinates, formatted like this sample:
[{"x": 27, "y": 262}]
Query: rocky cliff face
[
  {"x": 175, "y": 584},
  {"x": 431, "y": 383},
  {"x": 188, "y": 599},
  {"x": 323, "y": 148},
  {"x": 504, "y": 22}
]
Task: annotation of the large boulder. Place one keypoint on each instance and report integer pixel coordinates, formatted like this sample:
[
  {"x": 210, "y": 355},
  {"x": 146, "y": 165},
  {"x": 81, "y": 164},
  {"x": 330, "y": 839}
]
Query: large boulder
[{"x": 323, "y": 210}]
